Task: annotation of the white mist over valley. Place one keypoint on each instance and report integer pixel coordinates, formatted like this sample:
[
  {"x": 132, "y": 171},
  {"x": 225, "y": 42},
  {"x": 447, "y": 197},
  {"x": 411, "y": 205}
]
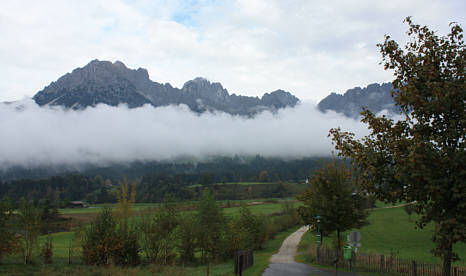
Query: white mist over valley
[{"x": 33, "y": 136}]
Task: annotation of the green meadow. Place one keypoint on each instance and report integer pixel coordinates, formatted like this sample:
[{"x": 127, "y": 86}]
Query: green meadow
[
  {"x": 393, "y": 233},
  {"x": 61, "y": 267},
  {"x": 390, "y": 232},
  {"x": 63, "y": 241}
]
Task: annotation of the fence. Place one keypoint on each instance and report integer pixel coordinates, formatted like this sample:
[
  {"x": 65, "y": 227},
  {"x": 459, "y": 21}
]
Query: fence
[{"x": 383, "y": 265}]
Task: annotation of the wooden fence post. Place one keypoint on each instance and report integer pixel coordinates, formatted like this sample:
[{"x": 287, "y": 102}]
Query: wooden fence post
[
  {"x": 318, "y": 254},
  {"x": 382, "y": 264},
  {"x": 414, "y": 268}
]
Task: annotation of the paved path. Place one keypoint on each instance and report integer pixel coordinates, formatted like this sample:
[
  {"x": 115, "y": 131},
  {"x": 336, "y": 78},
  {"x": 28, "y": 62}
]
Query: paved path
[{"x": 283, "y": 263}]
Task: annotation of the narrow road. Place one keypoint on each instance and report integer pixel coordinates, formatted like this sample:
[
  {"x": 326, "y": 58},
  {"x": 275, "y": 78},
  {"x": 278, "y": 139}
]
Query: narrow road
[{"x": 283, "y": 263}]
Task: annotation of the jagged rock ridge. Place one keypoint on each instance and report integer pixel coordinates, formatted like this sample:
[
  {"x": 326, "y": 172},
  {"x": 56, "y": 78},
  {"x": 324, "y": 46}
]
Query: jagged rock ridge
[
  {"x": 113, "y": 83},
  {"x": 375, "y": 97}
]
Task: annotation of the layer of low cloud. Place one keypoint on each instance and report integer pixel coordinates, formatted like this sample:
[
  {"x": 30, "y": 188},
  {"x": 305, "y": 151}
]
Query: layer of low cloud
[
  {"x": 310, "y": 48},
  {"x": 33, "y": 136}
]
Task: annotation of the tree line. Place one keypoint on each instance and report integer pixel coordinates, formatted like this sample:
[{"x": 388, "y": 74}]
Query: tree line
[
  {"x": 61, "y": 190},
  {"x": 233, "y": 169}
]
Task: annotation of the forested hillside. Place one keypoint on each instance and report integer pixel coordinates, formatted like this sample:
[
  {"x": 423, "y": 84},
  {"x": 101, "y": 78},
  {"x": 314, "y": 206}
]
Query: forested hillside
[{"x": 184, "y": 181}]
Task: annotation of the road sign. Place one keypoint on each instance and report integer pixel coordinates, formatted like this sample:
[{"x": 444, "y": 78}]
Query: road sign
[{"x": 354, "y": 237}]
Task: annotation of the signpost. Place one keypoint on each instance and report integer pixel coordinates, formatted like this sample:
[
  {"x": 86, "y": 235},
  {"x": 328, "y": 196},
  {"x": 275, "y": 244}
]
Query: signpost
[
  {"x": 243, "y": 260},
  {"x": 353, "y": 240}
]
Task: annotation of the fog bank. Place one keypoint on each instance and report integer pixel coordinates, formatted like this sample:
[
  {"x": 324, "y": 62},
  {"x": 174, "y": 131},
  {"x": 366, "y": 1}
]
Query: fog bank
[{"x": 32, "y": 136}]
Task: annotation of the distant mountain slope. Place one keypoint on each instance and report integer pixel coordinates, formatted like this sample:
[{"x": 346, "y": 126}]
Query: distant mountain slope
[
  {"x": 375, "y": 97},
  {"x": 113, "y": 83}
]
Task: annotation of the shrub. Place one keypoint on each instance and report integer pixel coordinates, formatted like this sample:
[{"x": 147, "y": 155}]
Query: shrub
[
  {"x": 188, "y": 231},
  {"x": 252, "y": 227},
  {"x": 7, "y": 238},
  {"x": 106, "y": 241},
  {"x": 126, "y": 250},
  {"x": 47, "y": 250},
  {"x": 158, "y": 229}
]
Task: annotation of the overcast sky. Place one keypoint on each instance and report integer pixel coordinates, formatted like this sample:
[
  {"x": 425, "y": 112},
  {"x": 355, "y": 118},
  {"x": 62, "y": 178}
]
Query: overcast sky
[{"x": 310, "y": 48}]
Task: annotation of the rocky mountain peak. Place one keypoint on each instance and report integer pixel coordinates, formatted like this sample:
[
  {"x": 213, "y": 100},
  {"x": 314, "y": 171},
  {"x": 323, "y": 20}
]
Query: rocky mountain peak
[
  {"x": 204, "y": 89},
  {"x": 97, "y": 82},
  {"x": 375, "y": 97},
  {"x": 113, "y": 83},
  {"x": 279, "y": 99},
  {"x": 107, "y": 70}
]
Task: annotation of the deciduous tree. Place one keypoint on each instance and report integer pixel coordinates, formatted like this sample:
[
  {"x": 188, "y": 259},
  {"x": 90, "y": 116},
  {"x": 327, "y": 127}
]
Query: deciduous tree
[
  {"x": 420, "y": 157},
  {"x": 211, "y": 224},
  {"x": 126, "y": 197},
  {"x": 107, "y": 241},
  {"x": 159, "y": 237},
  {"x": 29, "y": 225},
  {"x": 335, "y": 198}
]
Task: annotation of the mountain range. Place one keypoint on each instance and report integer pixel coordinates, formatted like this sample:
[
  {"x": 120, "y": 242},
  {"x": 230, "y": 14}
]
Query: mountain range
[
  {"x": 112, "y": 83},
  {"x": 375, "y": 97}
]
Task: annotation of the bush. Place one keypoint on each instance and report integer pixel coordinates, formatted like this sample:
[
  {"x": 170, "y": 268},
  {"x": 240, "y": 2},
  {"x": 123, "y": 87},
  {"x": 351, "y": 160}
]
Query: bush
[
  {"x": 279, "y": 222},
  {"x": 106, "y": 241},
  {"x": 47, "y": 250},
  {"x": 7, "y": 238},
  {"x": 158, "y": 229},
  {"x": 126, "y": 250},
  {"x": 252, "y": 226},
  {"x": 188, "y": 230}
]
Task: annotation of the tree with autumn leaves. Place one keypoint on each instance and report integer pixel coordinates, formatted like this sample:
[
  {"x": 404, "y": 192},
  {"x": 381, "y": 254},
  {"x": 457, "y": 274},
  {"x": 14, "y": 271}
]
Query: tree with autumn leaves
[{"x": 421, "y": 156}]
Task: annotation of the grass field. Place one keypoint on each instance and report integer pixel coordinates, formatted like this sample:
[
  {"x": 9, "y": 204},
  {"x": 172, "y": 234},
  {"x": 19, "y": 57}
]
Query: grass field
[
  {"x": 95, "y": 208},
  {"x": 61, "y": 267},
  {"x": 61, "y": 241},
  {"x": 257, "y": 206},
  {"x": 240, "y": 183},
  {"x": 252, "y": 183},
  {"x": 392, "y": 233}
]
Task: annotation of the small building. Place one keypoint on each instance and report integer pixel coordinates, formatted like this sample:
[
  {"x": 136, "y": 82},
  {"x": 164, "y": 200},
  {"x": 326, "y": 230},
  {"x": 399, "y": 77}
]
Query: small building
[{"x": 77, "y": 204}]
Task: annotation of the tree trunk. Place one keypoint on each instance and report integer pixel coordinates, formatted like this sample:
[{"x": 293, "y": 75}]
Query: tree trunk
[
  {"x": 339, "y": 243},
  {"x": 337, "y": 259},
  {"x": 447, "y": 260}
]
